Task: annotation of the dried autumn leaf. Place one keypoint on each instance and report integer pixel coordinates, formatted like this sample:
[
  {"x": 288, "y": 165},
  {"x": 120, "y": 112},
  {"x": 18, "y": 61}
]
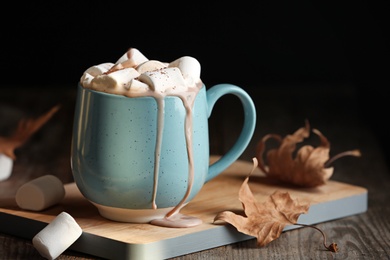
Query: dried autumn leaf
[
  {"x": 308, "y": 168},
  {"x": 266, "y": 220},
  {"x": 25, "y": 129}
]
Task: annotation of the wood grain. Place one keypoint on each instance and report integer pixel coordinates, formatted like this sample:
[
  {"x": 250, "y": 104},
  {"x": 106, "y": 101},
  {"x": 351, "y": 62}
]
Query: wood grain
[
  {"x": 281, "y": 110},
  {"x": 219, "y": 194}
]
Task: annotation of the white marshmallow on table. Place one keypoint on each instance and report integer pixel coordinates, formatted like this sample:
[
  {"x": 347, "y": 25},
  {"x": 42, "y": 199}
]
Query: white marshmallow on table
[
  {"x": 40, "y": 193},
  {"x": 57, "y": 236},
  {"x": 6, "y": 165}
]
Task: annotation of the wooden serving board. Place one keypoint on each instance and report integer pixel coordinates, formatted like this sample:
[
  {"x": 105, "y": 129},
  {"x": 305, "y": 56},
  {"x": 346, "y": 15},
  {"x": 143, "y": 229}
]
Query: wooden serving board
[{"x": 114, "y": 240}]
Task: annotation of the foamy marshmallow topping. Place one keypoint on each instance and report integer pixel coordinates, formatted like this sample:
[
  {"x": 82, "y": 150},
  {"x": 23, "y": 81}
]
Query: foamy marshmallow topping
[{"x": 133, "y": 75}]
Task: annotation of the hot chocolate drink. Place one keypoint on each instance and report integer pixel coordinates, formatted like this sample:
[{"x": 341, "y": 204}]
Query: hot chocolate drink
[{"x": 140, "y": 147}]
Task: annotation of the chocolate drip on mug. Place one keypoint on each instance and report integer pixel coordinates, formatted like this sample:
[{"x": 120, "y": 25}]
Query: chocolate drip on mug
[{"x": 173, "y": 218}]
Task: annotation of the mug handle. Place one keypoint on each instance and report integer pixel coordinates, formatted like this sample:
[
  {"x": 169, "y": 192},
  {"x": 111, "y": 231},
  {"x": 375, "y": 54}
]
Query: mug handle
[{"x": 213, "y": 94}]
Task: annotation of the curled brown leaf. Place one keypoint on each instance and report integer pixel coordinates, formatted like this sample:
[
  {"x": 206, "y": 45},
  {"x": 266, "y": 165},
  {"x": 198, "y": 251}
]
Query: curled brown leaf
[
  {"x": 266, "y": 220},
  {"x": 309, "y": 167}
]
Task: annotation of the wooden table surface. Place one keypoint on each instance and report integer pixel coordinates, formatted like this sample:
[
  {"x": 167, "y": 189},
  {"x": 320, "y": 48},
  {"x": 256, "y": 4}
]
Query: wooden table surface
[{"x": 281, "y": 110}]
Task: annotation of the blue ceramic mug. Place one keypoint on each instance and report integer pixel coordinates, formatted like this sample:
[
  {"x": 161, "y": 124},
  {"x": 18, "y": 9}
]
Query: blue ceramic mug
[{"x": 119, "y": 165}]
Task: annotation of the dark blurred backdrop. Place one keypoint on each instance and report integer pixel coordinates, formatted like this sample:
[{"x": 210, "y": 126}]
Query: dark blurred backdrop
[{"x": 269, "y": 43}]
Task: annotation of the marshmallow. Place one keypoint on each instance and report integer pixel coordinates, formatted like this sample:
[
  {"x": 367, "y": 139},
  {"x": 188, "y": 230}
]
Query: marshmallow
[
  {"x": 6, "y": 164},
  {"x": 94, "y": 71},
  {"x": 137, "y": 86},
  {"x": 150, "y": 66},
  {"x": 152, "y": 75},
  {"x": 117, "y": 80},
  {"x": 132, "y": 57},
  {"x": 99, "y": 69},
  {"x": 164, "y": 80},
  {"x": 86, "y": 80},
  {"x": 189, "y": 67},
  {"x": 57, "y": 236},
  {"x": 40, "y": 193}
]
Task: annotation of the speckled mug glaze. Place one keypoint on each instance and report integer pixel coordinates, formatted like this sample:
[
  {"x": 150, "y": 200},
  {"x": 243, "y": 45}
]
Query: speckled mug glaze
[{"x": 114, "y": 143}]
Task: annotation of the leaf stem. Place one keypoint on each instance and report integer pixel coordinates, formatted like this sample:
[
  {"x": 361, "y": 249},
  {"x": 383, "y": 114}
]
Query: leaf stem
[
  {"x": 334, "y": 158},
  {"x": 332, "y": 247}
]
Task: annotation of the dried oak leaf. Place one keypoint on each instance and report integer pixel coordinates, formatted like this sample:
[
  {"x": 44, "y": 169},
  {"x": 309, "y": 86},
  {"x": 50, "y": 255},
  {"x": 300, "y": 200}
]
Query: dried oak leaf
[
  {"x": 266, "y": 220},
  {"x": 25, "y": 129},
  {"x": 308, "y": 168}
]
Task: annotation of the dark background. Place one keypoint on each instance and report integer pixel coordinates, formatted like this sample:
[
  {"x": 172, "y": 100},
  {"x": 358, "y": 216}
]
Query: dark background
[{"x": 269, "y": 43}]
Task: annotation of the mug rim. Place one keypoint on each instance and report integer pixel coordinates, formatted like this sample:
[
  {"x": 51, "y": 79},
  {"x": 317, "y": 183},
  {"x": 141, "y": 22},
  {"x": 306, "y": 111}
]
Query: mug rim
[{"x": 103, "y": 93}]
